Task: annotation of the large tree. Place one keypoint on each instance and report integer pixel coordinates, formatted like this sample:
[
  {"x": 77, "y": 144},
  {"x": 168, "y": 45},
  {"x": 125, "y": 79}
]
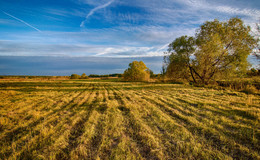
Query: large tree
[
  {"x": 137, "y": 71},
  {"x": 218, "y": 49}
]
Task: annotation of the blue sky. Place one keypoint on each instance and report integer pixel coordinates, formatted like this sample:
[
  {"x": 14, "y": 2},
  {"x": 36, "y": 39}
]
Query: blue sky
[{"x": 111, "y": 32}]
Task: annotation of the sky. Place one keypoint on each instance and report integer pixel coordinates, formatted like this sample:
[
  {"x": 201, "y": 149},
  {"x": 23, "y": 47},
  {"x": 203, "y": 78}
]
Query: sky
[{"x": 61, "y": 37}]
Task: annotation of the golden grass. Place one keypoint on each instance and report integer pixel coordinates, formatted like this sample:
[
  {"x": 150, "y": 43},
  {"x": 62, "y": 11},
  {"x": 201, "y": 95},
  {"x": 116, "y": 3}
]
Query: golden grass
[{"x": 116, "y": 120}]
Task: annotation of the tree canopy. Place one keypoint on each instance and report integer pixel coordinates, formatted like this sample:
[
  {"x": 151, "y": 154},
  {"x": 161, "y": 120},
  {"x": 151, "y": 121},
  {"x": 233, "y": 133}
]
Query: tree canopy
[
  {"x": 218, "y": 49},
  {"x": 137, "y": 71}
]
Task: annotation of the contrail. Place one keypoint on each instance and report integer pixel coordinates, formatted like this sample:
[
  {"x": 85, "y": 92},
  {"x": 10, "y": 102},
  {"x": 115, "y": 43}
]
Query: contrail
[
  {"x": 163, "y": 47},
  {"x": 22, "y": 21},
  {"x": 94, "y": 10}
]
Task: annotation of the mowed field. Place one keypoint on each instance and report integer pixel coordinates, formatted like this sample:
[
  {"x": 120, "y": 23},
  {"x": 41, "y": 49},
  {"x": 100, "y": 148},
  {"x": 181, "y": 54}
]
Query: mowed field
[{"x": 120, "y": 120}]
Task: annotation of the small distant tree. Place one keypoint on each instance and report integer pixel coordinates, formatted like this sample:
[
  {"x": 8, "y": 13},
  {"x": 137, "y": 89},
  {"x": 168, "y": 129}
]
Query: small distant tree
[
  {"x": 74, "y": 76},
  {"x": 137, "y": 71},
  {"x": 84, "y": 76}
]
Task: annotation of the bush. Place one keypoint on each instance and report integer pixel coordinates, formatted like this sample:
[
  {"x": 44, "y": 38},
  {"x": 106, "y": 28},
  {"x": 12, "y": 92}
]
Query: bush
[
  {"x": 246, "y": 86},
  {"x": 253, "y": 72},
  {"x": 250, "y": 89},
  {"x": 74, "y": 76}
]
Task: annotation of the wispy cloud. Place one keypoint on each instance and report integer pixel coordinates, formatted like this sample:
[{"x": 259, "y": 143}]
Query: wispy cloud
[
  {"x": 136, "y": 28},
  {"x": 12, "y": 48},
  {"x": 145, "y": 41},
  {"x": 94, "y": 10},
  {"x": 238, "y": 11},
  {"x": 21, "y": 21},
  {"x": 234, "y": 10}
]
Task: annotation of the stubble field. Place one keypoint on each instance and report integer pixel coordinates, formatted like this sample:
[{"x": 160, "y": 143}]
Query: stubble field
[{"x": 119, "y": 120}]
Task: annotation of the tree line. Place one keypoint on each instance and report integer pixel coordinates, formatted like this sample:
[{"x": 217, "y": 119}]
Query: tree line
[{"x": 84, "y": 76}]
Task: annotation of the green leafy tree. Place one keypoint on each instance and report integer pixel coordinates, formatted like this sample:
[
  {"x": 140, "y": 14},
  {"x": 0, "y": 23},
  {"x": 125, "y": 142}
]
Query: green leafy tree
[
  {"x": 137, "y": 71},
  {"x": 218, "y": 49}
]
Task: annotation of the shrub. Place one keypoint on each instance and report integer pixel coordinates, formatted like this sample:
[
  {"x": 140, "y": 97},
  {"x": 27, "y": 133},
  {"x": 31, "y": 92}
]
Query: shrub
[
  {"x": 74, "y": 76},
  {"x": 250, "y": 89}
]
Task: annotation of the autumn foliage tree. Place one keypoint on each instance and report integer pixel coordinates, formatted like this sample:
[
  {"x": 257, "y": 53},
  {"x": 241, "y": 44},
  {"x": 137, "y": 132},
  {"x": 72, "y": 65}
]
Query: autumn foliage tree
[
  {"x": 84, "y": 76},
  {"x": 137, "y": 71},
  {"x": 218, "y": 49}
]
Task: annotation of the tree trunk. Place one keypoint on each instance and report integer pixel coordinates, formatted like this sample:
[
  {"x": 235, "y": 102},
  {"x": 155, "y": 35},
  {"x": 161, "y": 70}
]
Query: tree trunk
[
  {"x": 192, "y": 74},
  {"x": 202, "y": 79}
]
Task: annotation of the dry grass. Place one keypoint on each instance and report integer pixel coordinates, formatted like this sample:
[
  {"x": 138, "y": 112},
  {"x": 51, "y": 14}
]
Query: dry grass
[{"x": 113, "y": 120}]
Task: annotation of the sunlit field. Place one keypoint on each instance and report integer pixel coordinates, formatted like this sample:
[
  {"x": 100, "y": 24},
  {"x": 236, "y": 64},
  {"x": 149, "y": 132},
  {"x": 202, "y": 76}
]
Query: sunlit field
[{"x": 118, "y": 120}]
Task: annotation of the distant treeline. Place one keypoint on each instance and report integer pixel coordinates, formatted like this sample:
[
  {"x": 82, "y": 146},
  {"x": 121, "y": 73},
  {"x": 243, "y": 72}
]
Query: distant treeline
[
  {"x": 32, "y": 77},
  {"x": 118, "y": 75},
  {"x": 115, "y": 75},
  {"x": 84, "y": 76},
  {"x": 105, "y": 75}
]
